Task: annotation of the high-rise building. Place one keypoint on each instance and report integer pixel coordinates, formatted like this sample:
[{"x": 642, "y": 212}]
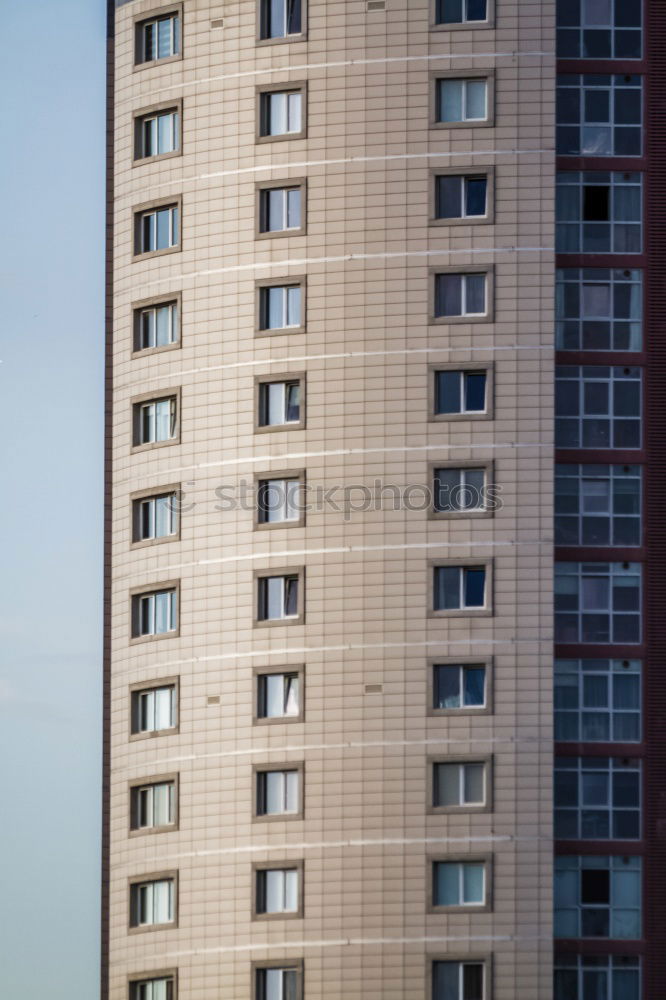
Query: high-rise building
[{"x": 385, "y": 396}]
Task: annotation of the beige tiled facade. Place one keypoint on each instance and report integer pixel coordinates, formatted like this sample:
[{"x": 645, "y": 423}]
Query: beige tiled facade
[{"x": 367, "y": 739}]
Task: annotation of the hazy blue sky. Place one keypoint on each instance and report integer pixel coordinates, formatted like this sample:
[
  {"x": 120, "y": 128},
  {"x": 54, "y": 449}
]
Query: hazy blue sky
[{"x": 51, "y": 348}]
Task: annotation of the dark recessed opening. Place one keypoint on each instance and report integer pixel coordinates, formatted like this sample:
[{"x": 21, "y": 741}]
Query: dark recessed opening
[{"x": 596, "y": 204}]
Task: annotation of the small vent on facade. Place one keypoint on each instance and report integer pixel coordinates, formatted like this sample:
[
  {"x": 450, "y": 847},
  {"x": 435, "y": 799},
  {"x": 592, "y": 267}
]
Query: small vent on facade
[
  {"x": 376, "y": 4},
  {"x": 217, "y": 23},
  {"x": 374, "y": 688},
  {"x": 214, "y": 699}
]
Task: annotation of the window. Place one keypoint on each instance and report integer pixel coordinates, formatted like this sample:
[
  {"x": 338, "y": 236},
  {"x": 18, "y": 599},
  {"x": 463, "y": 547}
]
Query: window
[
  {"x": 153, "y": 902},
  {"x": 281, "y": 18},
  {"x": 280, "y": 598},
  {"x": 281, "y": 307},
  {"x": 597, "y": 897},
  {"x": 156, "y": 421},
  {"x": 281, "y": 209},
  {"x": 459, "y": 588},
  {"x": 281, "y": 113},
  {"x": 460, "y": 785},
  {"x": 599, "y": 29},
  {"x": 160, "y": 988},
  {"x": 458, "y": 980},
  {"x": 157, "y": 133},
  {"x": 459, "y": 687},
  {"x": 598, "y": 212},
  {"x": 156, "y": 326},
  {"x": 280, "y": 501},
  {"x": 279, "y": 793},
  {"x": 599, "y": 115},
  {"x": 597, "y": 798},
  {"x": 461, "y": 11},
  {"x": 598, "y": 602},
  {"x": 154, "y": 613},
  {"x": 461, "y": 196},
  {"x": 597, "y": 407},
  {"x": 599, "y": 309},
  {"x": 279, "y": 696},
  {"x": 277, "y": 891},
  {"x": 458, "y": 295},
  {"x": 153, "y": 806},
  {"x": 156, "y": 230},
  {"x": 278, "y": 982},
  {"x": 459, "y": 883},
  {"x": 598, "y": 700},
  {"x": 280, "y": 404},
  {"x": 461, "y": 101},
  {"x": 597, "y": 977},
  {"x": 154, "y": 710},
  {"x": 597, "y": 505},
  {"x": 459, "y": 490},
  {"x": 155, "y": 517},
  {"x": 460, "y": 392},
  {"x": 158, "y": 38}
]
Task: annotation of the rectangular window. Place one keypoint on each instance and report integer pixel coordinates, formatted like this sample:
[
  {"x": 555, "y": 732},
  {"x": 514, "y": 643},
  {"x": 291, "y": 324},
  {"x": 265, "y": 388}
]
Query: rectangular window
[
  {"x": 279, "y": 793},
  {"x": 460, "y": 295},
  {"x": 459, "y": 687},
  {"x": 281, "y": 18},
  {"x": 597, "y": 602},
  {"x": 599, "y": 29},
  {"x": 599, "y": 309},
  {"x": 157, "y": 230},
  {"x": 597, "y": 977},
  {"x": 458, "y": 980},
  {"x": 159, "y": 988},
  {"x": 459, "y": 883},
  {"x": 158, "y": 38},
  {"x": 280, "y": 403},
  {"x": 460, "y": 785},
  {"x": 598, "y": 701},
  {"x": 279, "y": 696},
  {"x": 155, "y": 421},
  {"x": 279, "y": 500},
  {"x": 597, "y": 407},
  {"x": 154, "y": 710},
  {"x": 459, "y": 101},
  {"x": 598, "y": 505},
  {"x": 598, "y": 212},
  {"x": 280, "y": 307},
  {"x": 155, "y": 517},
  {"x": 153, "y": 806},
  {"x": 599, "y": 115},
  {"x": 463, "y": 392},
  {"x": 155, "y": 613},
  {"x": 277, "y": 891},
  {"x": 461, "y": 11},
  {"x": 459, "y": 588},
  {"x": 459, "y": 490},
  {"x": 461, "y": 196},
  {"x": 597, "y": 798},
  {"x": 157, "y": 134},
  {"x": 156, "y": 326},
  {"x": 598, "y": 897},
  {"x": 281, "y": 113},
  {"x": 281, "y": 209},
  {"x": 153, "y": 902},
  {"x": 278, "y": 982},
  {"x": 278, "y": 598}
]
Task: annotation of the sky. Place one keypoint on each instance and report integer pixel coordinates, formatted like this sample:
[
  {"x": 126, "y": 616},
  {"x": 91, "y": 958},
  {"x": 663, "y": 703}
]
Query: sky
[{"x": 52, "y": 74}]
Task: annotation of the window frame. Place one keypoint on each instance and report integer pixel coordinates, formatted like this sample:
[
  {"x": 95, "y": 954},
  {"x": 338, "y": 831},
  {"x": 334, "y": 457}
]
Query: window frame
[
  {"x": 459, "y": 74},
  {"x": 281, "y": 571},
  {"x": 609, "y": 571},
  {"x": 464, "y": 220},
  {"x": 279, "y": 379},
  {"x": 155, "y": 302},
  {"x": 487, "y": 317},
  {"x": 285, "y": 965},
  {"x": 460, "y": 958},
  {"x": 155, "y": 779},
  {"x": 576, "y": 963},
  {"x": 463, "y": 368},
  {"x": 288, "y": 87},
  {"x": 617, "y": 82},
  {"x": 459, "y": 661},
  {"x": 581, "y": 278},
  {"x": 565, "y": 863},
  {"x": 280, "y": 39},
  {"x": 138, "y": 119},
  {"x": 157, "y": 492},
  {"x": 283, "y": 817},
  {"x": 143, "y": 18},
  {"x": 487, "y": 611},
  {"x": 613, "y": 377},
  {"x": 137, "y": 402},
  {"x": 137, "y": 978},
  {"x": 489, "y": 765},
  {"x": 139, "y": 880},
  {"x": 287, "y": 184},
  {"x": 612, "y": 28},
  {"x": 460, "y": 859},
  {"x": 614, "y": 667},
  {"x": 285, "y": 866},
  {"x": 488, "y": 469},
  {"x": 289, "y": 281},
  {"x": 616, "y": 181},
  {"x": 147, "y": 591},
  {"x": 135, "y": 691},
  {"x": 294, "y": 475},
  {"x": 269, "y": 671},
  {"x": 611, "y": 473},
  {"x": 139, "y": 212},
  {"x": 436, "y": 25},
  {"x": 582, "y": 767}
]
